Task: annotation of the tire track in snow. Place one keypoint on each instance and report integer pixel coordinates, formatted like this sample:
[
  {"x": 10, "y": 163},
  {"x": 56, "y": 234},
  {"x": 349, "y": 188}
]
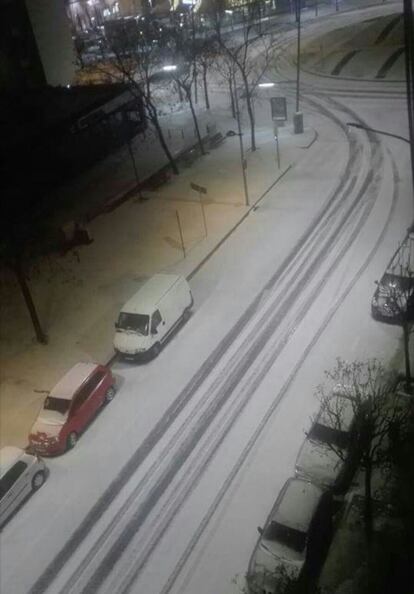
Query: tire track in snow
[
  {"x": 279, "y": 398},
  {"x": 178, "y": 405},
  {"x": 232, "y": 380}
]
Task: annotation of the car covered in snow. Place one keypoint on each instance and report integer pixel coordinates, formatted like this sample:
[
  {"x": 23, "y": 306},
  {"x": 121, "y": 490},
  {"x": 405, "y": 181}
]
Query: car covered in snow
[
  {"x": 294, "y": 539},
  {"x": 70, "y": 406},
  {"x": 328, "y": 455},
  {"x": 20, "y": 474}
]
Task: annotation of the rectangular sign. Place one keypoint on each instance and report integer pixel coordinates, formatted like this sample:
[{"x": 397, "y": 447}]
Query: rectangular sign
[
  {"x": 278, "y": 107},
  {"x": 197, "y": 188}
]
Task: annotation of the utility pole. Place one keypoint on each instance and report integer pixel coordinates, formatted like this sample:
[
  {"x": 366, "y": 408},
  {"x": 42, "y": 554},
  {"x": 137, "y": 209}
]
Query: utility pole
[{"x": 409, "y": 76}]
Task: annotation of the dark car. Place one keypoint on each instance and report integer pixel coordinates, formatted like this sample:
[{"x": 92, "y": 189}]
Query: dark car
[{"x": 393, "y": 300}]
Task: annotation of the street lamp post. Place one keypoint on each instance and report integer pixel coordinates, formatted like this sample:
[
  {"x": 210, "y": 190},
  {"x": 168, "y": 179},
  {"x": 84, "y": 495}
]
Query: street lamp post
[
  {"x": 409, "y": 75},
  {"x": 298, "y": 116}
]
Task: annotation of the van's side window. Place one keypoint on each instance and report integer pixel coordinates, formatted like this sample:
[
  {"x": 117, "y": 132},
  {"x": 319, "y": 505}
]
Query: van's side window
[{"x": 155, "y": 321}]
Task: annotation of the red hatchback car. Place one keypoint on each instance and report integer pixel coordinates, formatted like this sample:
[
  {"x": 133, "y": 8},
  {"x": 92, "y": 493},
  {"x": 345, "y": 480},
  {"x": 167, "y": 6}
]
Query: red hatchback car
[{"x": 70, "y": 406}]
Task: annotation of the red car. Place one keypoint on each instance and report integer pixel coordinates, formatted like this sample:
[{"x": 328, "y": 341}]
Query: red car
[{"x": 70, "y": 406}]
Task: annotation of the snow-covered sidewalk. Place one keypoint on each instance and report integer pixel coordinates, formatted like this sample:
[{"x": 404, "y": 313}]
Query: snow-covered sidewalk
[{"x": 78, "y": 295}]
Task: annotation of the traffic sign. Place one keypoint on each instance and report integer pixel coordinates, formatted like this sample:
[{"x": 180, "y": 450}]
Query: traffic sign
[
  {"x": 278, "y": 107},
  {"x": 197, "y": 188}
]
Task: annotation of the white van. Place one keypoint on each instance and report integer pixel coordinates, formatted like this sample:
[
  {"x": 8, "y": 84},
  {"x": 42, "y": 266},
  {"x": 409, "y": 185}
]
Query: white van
[{"x": 152, "y": 314}]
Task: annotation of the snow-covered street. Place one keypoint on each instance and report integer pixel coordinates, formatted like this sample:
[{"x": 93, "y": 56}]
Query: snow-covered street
[{"x": 164, "y": 492}]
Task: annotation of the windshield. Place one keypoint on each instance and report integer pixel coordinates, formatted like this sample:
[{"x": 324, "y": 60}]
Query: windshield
[
  {"x": 136, "y": 322},
  {"x": 60, "y": 405},
  {"x": 326, "y": 434},
  {"x": 399, "y": 282},
  {"x": 294, "y": 539}
]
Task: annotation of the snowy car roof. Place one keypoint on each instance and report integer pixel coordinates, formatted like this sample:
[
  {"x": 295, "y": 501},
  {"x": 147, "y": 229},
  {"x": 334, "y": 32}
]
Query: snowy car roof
[
  {"x": 8, "y": 456},
  {"x": 318, "y": 463},
  {"x": 71, "y": 381},
  {"x": 146, "y": 298},
  {"x": 297, "y": 504}
]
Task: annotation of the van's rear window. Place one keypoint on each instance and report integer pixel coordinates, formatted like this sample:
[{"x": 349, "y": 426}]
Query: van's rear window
[{"x": 136, "y": 322}]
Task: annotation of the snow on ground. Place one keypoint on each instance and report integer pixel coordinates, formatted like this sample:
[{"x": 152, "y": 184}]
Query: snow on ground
[{"x": 200, "y": 528}]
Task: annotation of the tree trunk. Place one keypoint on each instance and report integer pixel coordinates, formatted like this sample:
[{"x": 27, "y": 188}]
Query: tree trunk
[
  {"x": 368, "y": 520},
  {"x": 205, "y": 88},
  {"x": 250, "y": 113},
  {"x": 406, "y": 334},
  {"x": 180, "y": 93},
  {"x": 233, "y": 109},
  {"x": 24, "y": 287},
  {"x": 190, "y": 101},
  {"x": 195, "y": 86},
  {"x": 152, "y": 113}
]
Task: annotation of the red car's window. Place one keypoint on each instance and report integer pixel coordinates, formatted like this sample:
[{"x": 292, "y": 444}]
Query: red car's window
[
  {"x": 80, "y": 398},
  {"x": 95, "y": 380}
]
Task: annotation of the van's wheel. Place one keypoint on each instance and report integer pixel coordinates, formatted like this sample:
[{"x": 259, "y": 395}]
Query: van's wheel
[
  {"x": 38, "y": 480},
  {"x": 156, "y": 349},
  {"x": 110, "y": 394},
  {"x": 71, "y": 440},
  {"x": 186, "y": 315}
]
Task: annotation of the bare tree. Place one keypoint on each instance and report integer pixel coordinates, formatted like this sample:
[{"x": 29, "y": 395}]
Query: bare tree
[
  {"x": 225, "y": 67},
  {"x": 393, "y": 300},
  {"x": 138, "y": 65},
  {"x": 378, "y": 413},
  {"x": 206, "y": 55},
  {"x": 23, "y": 240},
  {"x": 184, "y": 77},
  {"x": 251, "y": 54}
]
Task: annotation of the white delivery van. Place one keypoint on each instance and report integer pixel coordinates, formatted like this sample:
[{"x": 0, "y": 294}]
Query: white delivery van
[{"x": 147, "y": 320}]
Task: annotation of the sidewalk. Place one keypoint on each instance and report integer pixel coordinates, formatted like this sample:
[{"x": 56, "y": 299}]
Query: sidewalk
[{"x": 78, "y": 301}]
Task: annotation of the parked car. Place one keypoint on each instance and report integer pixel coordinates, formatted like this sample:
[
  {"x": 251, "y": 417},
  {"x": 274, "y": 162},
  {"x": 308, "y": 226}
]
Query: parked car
[
  {"x": 393, "y": 299},
  {"x": 295, "y": 537},
  {"x": 329, "y": 454},
  {"x": 70, "y": 406},
  {"x": 20, "y": 474},
  {"x": 149, "y": 318}
]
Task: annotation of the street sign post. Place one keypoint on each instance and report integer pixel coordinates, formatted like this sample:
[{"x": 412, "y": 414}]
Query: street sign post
[
  {"x": 276, "y": 134},
  {"x": 278, "y": 108},
  {"x": 197, "y": 188},
  {"x": 201, "y": 190}
]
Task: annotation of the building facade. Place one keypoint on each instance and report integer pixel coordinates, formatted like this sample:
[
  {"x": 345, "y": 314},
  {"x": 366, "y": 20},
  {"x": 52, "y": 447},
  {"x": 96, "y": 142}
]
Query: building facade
[{"x": 36, "y": 46}]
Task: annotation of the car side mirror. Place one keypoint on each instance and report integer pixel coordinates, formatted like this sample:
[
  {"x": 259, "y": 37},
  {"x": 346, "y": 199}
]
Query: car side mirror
[
  {"x": 376, "y": 283},
  {"x": 154, "y": 331},
  {"x": 260, "y": 530},
  {"x": 116, "y": 325}
]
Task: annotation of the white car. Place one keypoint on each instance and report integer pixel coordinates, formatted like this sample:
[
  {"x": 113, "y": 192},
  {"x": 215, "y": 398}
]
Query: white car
[
  {"x": 20, "y": 474},
  {"x": 325, "y": 454},
  {"x": 294, "y": 538}
]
